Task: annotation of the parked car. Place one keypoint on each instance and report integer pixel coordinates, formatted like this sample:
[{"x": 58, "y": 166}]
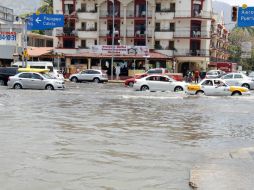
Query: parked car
[
  {"x": 216, "y": 87},
  {"x": 158, "y": 83},
  {"x": 89, "y": 75},
  {"x": 161, "y": 71},
  {"x": 251, "y": 75},
  {"x": 130, "y": 82},
  {"x": 5, "y": 73},
  {"x": 32, "y": 80},
  {"x": 239, "y": 79},
  {"x": 215, "y": 74},
  {"x": 57, "y": 74}
]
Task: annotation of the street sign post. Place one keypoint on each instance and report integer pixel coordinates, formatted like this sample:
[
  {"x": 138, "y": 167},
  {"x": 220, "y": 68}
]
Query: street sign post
[
  {"x": 45, "y": 21},
  {"x": 245, "y": 17}
]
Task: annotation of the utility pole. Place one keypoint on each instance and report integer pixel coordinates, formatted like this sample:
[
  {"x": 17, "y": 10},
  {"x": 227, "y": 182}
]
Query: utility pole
[
  {"x": 147, "y": 46},
  {"x": 113, "y": 38}
]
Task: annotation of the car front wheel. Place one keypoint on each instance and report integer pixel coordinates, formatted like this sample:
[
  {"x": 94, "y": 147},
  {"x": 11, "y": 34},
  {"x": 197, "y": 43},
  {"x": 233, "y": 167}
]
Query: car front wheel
[{"x": 49, "y": 87}]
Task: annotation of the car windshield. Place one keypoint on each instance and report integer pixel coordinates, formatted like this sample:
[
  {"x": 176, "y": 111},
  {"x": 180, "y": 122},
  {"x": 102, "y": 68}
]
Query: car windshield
[{"x": 47, "y": 76}]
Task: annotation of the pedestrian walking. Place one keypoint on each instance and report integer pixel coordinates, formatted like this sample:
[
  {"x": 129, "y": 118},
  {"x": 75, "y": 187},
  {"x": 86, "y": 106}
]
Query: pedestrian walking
[{"x": 196, "y": 76}]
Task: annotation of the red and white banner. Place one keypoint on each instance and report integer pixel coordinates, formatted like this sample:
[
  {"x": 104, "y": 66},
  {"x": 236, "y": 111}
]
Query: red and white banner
[{"x": 120, "y": 49}]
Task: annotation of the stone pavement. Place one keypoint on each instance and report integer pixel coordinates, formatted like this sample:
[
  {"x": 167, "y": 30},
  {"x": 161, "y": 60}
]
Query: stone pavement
[{"x": 231, "y": 171}]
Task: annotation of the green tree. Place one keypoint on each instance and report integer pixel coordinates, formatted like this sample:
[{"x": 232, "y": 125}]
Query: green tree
[
  {"x": 46, "y": 7},
  {"x": 237, "y": 36}
]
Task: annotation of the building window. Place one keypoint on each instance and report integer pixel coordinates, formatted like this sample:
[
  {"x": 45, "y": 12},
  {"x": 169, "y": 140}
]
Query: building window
[
  {"x": 157, "y": 45},
  {"x": 171, "y": 45},
  {"x": 157, "y": 26},
  {"x": 172, "y": 7},
  {"x": 158, "y": 7},
  {"x": 83, "y": 7},
  {"x": 95, "y": 42},
  {"x": 83, "y": 43},
  {"x": 172, "y": 27},
  {"x": 83, "y": 26}
]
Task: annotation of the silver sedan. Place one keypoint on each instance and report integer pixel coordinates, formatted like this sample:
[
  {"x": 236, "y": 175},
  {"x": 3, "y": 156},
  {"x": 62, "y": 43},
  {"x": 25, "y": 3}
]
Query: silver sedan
[
  {"x": 32, "y": 80},
  {"x": 239, "y": 79}
]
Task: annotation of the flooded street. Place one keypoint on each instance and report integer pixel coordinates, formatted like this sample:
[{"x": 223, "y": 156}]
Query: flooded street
[{"x": 108, "y": 137}]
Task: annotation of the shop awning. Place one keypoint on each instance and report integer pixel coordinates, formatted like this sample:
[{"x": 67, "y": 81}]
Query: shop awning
[
  {"x": 39, "y": 51},
  {"x": 152, "y": 55}
]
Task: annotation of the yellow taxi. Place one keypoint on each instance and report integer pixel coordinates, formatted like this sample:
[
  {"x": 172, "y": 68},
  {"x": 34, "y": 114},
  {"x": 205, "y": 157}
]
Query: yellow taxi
[{"x": 216, "y": 87}]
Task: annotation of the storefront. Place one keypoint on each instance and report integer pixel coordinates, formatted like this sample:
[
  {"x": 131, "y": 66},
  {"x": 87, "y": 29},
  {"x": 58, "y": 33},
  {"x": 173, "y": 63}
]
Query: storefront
[{"x": 129, "y": 64}]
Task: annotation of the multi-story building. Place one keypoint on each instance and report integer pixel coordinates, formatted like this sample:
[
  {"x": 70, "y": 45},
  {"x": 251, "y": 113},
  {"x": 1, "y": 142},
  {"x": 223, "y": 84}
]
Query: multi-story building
[
  {"x": 219, "y": 40},
  {"x": 176, "y": 32},
  {"x": 7, "y": 35}
]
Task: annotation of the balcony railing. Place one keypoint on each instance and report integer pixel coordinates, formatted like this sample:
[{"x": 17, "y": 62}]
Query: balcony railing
[
  {"x": 138, "y": 33},
  {"x": 139, "y": 14},
  {"x": 108, "y": 33},
  {"x": 164, "y": 30},
  {"x": 195, "y": 14},
  {"x": 87, "y": 29},
  {"x": 107, "y": 13},
  {"x": 86, "y": 11},
  {"x": 187, "y": 52},
  {"x": 70, "y": 32},
  {"x": 165, "y": 10},
  {"x": 191, "y": 34}
]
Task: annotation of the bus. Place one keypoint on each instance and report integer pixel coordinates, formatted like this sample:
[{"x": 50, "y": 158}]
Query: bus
[{"x": 36, "y": 65}]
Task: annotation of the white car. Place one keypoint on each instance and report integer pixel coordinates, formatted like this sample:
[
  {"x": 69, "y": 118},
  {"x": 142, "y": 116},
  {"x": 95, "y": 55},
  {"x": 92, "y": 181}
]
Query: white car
[
  {"x": 216, "y": 87},
  {"x": 215, "y": 74},
  {"x": 158, "y": 83},
  {"x": 57, "y": 74},
  {"x": 239, "y": 79},
  {"x": 32, "y": 80},
  {"x": 94, "y": 75}
]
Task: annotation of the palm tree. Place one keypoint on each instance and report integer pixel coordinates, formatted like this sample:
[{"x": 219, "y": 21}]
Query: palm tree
[{"x": 46, "y": 7}]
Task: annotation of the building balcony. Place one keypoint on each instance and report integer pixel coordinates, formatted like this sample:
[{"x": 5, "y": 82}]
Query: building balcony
[
  {"x": 164, "y": 15},
  {"x": 108, "y": 33},
  {"x": 192, "y": 34},
  {"x": 192, "y": 53},
  {"x": 139, "y": 15},
  {"x": 107, "y": 14},
  {"x": 66, "y": 32},
  {"x": 87, "y": 15},
  {"x": 87, "y": 34},
  {"x": 70, "y": 14},
  {"x": 193, "y": 14},
  {"x": 138, "y": 33},
  {"x": 163, "y": 34}
]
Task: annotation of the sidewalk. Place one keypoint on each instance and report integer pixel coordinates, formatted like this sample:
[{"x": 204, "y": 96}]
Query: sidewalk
[{"x": 232, "y": 171}]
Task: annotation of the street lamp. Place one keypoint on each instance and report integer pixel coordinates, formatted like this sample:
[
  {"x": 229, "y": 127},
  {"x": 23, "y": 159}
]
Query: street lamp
[{"x": 113, "y": 37}]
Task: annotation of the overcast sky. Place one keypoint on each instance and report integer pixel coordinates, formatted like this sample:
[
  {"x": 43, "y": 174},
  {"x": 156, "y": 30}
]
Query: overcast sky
[{"x": 239, "y": 2}]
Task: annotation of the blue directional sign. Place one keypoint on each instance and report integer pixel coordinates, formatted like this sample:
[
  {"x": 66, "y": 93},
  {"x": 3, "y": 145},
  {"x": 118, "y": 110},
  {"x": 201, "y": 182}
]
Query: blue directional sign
[
  {"x": 245, "y": 17},
  {"x": 45, "y": 21}
]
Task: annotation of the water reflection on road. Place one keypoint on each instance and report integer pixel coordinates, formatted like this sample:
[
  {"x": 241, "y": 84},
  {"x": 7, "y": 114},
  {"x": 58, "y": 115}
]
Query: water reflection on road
[{"x": 107, "y": 137}]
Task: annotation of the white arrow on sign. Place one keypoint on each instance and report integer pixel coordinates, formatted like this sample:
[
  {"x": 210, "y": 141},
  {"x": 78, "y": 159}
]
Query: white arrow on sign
[{"x": 38, "y": 20}]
